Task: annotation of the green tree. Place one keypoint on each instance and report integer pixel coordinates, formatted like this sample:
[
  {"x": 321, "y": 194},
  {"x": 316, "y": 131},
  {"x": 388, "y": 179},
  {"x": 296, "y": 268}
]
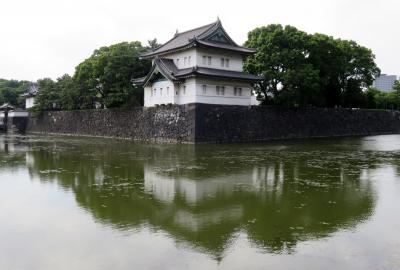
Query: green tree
[
  {"x": 282, "y": 60},
  {"x": 105, "y": 77},
  {"x": 153, "y": 44},
  {"x": 303, "y": 69},
  {"x": 68, "y": 93},
  {"x": 48, "y": 97},
  {"x": 11, "y": 90}
]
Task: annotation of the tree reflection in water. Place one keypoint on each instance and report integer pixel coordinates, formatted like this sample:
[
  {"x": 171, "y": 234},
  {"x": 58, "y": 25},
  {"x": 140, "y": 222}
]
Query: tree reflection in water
[{"x": 205, "y": 195}]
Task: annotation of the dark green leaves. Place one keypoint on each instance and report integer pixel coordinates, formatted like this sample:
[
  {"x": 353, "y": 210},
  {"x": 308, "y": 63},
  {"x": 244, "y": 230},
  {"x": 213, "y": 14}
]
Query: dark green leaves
[
  {"x": 302, "y": 69},
  {"x": 102, "y": 80}
]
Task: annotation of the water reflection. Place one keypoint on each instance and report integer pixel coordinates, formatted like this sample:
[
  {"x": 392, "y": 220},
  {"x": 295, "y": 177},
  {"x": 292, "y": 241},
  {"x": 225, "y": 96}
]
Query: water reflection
[{"x": 202, "y": 196}]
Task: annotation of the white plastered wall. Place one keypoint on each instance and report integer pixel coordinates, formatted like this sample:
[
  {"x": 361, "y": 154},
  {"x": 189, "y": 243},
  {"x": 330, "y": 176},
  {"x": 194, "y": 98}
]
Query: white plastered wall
[
  {"x": 191, "y": 91},
  {"x": 196, "y": 59},
  {"x": 29, "y": 102},
  {"x": 235, "y": 60},
  {"x": 229, "y": 97},
  {"x": 190, "y": 53},
  {"x": 160, "y": 92}
]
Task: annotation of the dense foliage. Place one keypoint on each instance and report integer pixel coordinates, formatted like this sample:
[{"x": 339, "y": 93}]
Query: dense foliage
[
  {"x": 103, "y": 80},
  {"x": 376, "y": 99},
  {"x": 302, "y": 69},
  {"x": 11, "y": 90},
  {"x": 106, "y": 76}
]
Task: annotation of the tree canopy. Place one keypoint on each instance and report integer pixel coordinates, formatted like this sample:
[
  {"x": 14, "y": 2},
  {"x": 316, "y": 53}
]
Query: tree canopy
[
  {"x": 102, "y": 80},
  {"x": 301, "y": 69},
  {"x": 11, "y": 90},
  {"x": 105, "y": 77}
]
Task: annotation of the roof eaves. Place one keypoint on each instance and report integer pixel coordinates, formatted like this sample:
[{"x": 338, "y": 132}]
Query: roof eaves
[
  {"x": 152, "y": 54},
  {"x": 228, "y": 47},
  {"x": 159, "y": 49},
  {"x": 218, "y": 73}
]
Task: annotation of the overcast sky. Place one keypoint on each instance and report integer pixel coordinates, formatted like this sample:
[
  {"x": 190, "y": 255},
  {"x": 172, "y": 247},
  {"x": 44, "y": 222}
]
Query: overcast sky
[{"x": 47, "y": 38}]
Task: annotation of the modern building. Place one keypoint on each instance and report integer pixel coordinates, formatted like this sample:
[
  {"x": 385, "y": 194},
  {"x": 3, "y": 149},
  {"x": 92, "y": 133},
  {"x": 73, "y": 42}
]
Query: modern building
[
  {"x": 30, "y": 95},
  {"x": 385, "y": 82},
  {"x": 202, "y": 65}
]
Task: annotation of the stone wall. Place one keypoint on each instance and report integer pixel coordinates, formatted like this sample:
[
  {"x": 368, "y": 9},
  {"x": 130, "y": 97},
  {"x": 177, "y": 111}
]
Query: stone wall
[
  {"x": 202, "y": 123},
  {"x": 161, "y": 124},
  {"x": 259, "y": 123}
]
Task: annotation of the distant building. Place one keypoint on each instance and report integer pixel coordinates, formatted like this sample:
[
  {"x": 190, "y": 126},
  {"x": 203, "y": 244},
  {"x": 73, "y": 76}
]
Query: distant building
[
  {"x": 30, "y": 95},
  {"x": 202, "y": 65},
  {"x": 385, "y": 82}
]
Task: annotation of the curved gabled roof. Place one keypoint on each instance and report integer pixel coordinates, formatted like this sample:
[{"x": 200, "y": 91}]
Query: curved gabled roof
[
  {"x": 32, "y": 90},
  {"x": 164, "y": 66},
  {"x": 204, "y": 35},
  {"x": 170, "y": 71}
]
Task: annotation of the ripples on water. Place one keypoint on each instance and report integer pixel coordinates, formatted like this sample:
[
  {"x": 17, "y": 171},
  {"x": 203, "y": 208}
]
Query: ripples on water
[{"x": 70, "y": 203}]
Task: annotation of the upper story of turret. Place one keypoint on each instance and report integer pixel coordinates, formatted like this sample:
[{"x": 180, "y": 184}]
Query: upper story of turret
[{"x": 208, "y": 46}]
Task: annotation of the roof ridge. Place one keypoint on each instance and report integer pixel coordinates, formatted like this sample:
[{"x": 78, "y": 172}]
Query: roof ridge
[
  {"x": 197, "y": 28},
  {"x": 187, "y": 31},
  {"x": 161, "y": 62}
]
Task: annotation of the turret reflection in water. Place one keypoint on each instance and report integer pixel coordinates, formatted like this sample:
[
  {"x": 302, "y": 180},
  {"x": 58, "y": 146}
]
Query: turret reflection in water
[{"x": 204, "y": 196}]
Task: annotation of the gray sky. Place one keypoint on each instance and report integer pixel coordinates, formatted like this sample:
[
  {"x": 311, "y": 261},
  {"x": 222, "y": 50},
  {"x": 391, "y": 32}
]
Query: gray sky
[{"x": 47, "y": 38}]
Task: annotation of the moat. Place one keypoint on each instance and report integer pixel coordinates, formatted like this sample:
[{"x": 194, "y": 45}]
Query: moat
[{"x": 84, "y": 203}]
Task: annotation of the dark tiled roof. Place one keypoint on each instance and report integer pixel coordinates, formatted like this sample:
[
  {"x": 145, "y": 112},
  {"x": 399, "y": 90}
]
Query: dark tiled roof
[
  {"x": 33, "y": 89},
  {"x": 6, "y": 107},
  {"x": 139, "y": 81},
  {"x": 197, "y": 36},
  {"x": 182, "y": 39},
  {"x": 226, "y": 47},
  {"x": 220, "y": 73},
  {"x": 168, "y": 69}
]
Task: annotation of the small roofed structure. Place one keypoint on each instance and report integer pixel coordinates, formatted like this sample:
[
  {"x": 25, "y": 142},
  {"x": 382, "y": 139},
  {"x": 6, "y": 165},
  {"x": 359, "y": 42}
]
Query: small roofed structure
[
  {"x": 12, "y": 119},
  {"x": 202, "y": 65},
  {"x": 30, "y": 95},
  {"x": 6, "y": 107}
]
